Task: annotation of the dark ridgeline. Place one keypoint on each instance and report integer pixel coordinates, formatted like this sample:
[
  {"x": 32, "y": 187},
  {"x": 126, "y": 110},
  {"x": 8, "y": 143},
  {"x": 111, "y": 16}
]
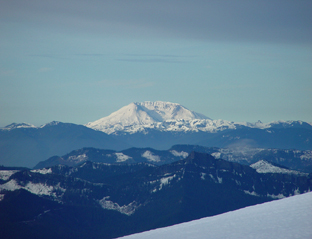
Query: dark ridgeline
[
  {"x": 26, "y": 147},
  {"x": 100, "y": 200},
  {"x": 294, "y": 159}
]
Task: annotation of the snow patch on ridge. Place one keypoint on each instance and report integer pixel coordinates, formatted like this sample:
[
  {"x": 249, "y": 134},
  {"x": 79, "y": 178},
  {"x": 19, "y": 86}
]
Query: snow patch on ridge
[
  {"x": 279, "y": 196},
  {"x": 78, "y": 158},
  {"x": 42, "y": 171},
  {"x": 216, "y": 155},
  {"x": 179, "y": 154},
  {"x": 12, "y": 185},
  {"x": 253, "y": 193},
  {"x": 6, "y": 174},
  {"x": 162, "y": 182},
  {"x": 122, "y": 157},
  {"x": 44, "y": 189},
  {"x": 263, "y": 166},
  {"x": 307, "y": 155},
  {"x": 150, "y": 156},
  {"x": 18, "y": 126},
  {"x": 53, "y": 123},
  {"x": 165, "y": 181},
  {"x": 35, "y": 188},
  {"x": 39, "y": 188},
  {"x": 125, "y": 209}
]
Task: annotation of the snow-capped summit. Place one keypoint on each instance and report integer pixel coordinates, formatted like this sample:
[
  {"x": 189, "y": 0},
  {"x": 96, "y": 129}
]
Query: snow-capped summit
[
  {"x": 52, "y": 123},
  {"x": 18, "y": 126},
  {"x": 170, "y": 111},
  {"x": 167, "y": 116},
  {"x": 144, "y": 114}
]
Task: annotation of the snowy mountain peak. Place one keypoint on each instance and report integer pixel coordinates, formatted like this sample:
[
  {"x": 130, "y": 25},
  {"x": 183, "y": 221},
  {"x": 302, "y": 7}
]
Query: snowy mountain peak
[
  {"x": 170, "y": 111},
  {"x": 143, "y": 114},
  {"x": 173, "y": 117},
  {"x": 18, "y": 126},
  {"x": 53, "y": 123}
]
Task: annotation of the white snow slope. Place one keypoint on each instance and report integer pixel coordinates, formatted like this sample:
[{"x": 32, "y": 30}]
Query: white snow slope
[
  {"x": 143, "y": 114},
  {"x": 286, "y": 218}
]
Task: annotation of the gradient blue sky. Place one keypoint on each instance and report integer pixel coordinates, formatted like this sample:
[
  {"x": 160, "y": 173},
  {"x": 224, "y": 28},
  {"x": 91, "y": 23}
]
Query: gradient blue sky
[{"x": 77, "y": 61}]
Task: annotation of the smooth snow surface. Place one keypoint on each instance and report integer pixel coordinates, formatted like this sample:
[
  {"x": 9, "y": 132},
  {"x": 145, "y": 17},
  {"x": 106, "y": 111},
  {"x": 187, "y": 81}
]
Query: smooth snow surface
[{"x": 286, "y": 218}]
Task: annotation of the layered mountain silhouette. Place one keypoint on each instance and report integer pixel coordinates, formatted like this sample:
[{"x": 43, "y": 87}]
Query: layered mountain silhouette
[
  {"x": 286, "y": 159},
  {"x": 101, "y": 200},
  {"x": 26, "y": 145},
  {"x": 158, "y": 125},
  {"x": 145, "y": 166}
]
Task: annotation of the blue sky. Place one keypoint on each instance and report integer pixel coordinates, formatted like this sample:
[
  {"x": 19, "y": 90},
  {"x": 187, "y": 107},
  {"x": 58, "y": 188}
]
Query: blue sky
[{"x": 78, "y": 61}]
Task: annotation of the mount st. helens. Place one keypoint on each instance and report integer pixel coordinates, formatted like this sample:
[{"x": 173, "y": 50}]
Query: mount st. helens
[
  {"x": 137, "y": 116},
  {"x": 162, "y": 124},
  {"x": 167, "y": 116}
]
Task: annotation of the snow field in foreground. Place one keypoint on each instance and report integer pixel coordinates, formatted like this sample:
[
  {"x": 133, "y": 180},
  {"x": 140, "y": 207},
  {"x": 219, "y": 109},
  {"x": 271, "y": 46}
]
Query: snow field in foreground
[{"x": 285, "y": 218}]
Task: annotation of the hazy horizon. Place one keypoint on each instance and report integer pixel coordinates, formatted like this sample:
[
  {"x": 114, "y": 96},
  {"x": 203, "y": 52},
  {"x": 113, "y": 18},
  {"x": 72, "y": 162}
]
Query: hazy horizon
[{"x": 79, "y": 61}]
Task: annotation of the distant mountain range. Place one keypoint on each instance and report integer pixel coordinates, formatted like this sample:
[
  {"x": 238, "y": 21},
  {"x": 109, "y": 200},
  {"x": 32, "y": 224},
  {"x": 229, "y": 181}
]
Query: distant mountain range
[
  {"x": 26, "y": 145},
  {"x": 158, "y": 125},
  {"x": 104, "y": 200},
  {"x": 261, "y": 159}
]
